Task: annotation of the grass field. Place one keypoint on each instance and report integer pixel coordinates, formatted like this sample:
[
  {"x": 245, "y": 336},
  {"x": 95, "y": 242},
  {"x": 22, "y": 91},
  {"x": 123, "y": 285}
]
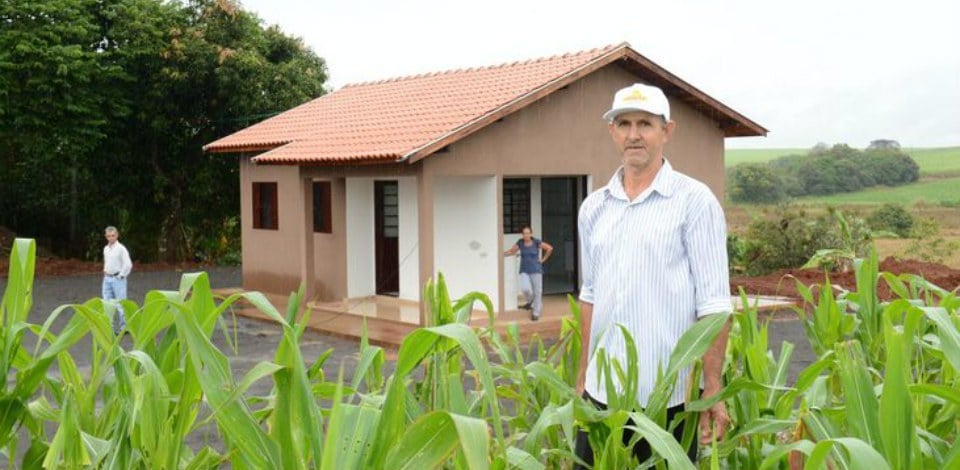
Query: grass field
[
  {"x": 936, "y": 195},
  {"x": 932, "y": 161},
  {"x": 942, "y": 191},
  {"x": 734, "y": 157}
]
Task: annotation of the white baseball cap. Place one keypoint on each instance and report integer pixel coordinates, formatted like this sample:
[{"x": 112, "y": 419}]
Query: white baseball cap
[{"x": 639, "y": 97}]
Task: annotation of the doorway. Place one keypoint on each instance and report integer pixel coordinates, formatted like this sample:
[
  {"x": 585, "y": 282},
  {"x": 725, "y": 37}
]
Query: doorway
[
  {"x": 386, "y": 237},
  {"x": 560, "y": 199}
]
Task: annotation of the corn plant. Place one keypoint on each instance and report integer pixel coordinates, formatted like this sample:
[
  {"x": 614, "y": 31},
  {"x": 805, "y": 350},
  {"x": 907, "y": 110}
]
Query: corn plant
[{"x": 883, "y": 392}]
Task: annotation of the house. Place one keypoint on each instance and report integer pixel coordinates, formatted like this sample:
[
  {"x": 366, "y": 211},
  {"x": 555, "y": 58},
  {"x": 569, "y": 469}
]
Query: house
[{"x": 374, "y": 188}]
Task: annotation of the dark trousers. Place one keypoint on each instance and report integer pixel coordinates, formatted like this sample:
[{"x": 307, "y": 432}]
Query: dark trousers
[{"x": 641, "y": 450}]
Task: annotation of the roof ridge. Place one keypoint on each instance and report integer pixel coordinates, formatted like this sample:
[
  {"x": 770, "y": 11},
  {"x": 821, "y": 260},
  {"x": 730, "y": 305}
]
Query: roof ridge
[{"x": 597, "y": 51}]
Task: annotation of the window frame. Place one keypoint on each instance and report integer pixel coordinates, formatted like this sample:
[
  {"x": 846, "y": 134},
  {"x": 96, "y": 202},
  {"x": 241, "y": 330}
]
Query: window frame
[
  {"x": 274, "y": 214},
  {"x": 322, "y": 207},
  {"x": 516, "y": 206}
]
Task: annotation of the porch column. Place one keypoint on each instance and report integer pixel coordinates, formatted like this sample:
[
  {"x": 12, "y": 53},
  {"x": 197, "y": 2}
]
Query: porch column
[
  {"x": 426, "y": 250},
  {"x": 305, "y": 229},
  {"x": 501, "y": 285}
]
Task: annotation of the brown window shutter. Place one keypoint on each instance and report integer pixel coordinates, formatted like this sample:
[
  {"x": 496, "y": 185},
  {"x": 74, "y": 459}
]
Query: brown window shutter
[
  {"x": 257, "y": 222},
  {"x": 275, "y": 212},
  {"x": 327, "y": 216}
]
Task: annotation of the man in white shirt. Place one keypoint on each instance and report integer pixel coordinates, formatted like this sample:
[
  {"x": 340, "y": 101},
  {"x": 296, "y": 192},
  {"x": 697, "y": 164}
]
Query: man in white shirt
[
  {"x": 653, "y": 250},
  {"x": 116, "y": 268}
]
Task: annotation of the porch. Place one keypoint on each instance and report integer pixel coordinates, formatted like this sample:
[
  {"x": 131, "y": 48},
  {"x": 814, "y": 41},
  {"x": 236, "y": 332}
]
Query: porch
[{"x": 389, "y": 320}]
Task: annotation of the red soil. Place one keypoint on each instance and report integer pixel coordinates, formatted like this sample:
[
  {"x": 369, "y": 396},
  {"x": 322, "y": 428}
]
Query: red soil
[{"x": 781, "y": 283}]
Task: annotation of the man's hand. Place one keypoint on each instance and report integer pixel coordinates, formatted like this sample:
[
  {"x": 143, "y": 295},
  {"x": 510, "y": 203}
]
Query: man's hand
[{"x": 713, "y": 423}]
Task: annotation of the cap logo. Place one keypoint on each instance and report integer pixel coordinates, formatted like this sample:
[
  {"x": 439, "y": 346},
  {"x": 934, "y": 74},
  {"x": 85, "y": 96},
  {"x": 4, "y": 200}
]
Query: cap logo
[{"x": 635, "y": 95}]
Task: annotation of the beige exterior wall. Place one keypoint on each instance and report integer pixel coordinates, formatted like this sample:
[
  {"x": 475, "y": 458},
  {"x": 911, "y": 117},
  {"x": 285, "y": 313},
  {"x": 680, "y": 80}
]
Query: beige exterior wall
[
  {"x": 559, "y": 135},
  {"x": 270, "y": 257},
  {"x": 697, "y": 147},
  {"x": 330, "y": 250},
  {"x": 564, "y": 135}
]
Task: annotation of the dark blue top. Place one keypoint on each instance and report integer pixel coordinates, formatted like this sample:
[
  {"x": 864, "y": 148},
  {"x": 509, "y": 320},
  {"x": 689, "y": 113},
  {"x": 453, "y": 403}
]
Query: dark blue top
[{"x": 530, "y": 257}]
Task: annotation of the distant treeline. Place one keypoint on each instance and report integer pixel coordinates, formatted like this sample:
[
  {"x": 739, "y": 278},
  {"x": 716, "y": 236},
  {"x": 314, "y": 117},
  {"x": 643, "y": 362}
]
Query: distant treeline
[{"x": 823, "y": 170}]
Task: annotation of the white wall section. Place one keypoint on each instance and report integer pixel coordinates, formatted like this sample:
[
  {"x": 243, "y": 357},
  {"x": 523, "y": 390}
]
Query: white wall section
[
  {"x": 361, "y": 270},
  {"x": 409, "y": 242},
  {"x": 466, "y": 247}
]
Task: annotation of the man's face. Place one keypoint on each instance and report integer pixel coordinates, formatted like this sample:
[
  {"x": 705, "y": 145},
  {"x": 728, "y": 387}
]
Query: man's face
[
  {"x": 110, "y": 236},
  {"x": 640, "y": 137}
]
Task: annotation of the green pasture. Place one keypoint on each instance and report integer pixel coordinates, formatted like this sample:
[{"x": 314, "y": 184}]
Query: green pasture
[
  {"x": 734, "y": 157},
  {"x": 932, "y": 161},
  {"x": 931, "y": 191}
]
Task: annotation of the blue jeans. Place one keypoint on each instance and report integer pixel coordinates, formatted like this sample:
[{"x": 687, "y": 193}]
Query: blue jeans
[
  {"x": 116, "y": 289},
  {"x": 531, "y": 286}
]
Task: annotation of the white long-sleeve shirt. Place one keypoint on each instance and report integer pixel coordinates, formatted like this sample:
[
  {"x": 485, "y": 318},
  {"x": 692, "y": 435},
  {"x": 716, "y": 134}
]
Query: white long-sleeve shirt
[
  {"x": 116, "y": 260},
  {"x": 655, "y": 265}
]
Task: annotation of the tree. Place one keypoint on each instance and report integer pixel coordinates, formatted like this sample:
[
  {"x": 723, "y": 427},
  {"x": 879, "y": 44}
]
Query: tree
[
  {"x": 882, "y": 144},
  {"x": 54, "y": 112},
  {"x": 756, "y": 183},
  {"x": 132, "y": 89}
]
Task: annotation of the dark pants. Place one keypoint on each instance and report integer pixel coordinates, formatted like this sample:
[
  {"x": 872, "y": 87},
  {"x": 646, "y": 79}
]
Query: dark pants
[{"x": 641, "y": 450}]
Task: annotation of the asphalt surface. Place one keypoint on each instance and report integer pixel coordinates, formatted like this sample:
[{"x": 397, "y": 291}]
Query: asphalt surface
[{"x": 256, "y": 340}]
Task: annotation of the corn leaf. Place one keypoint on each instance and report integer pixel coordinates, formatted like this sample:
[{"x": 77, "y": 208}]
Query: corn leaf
[
  {"x": 661, "y": 441},
  {"x": 859, "y": 397},
  {"x": 434, "y": 437},
  {"x": 896, "y": 409}
]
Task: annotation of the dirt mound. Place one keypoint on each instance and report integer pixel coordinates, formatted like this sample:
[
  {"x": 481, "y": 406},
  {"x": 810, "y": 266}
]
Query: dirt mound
[{"x": 780, "y": 282}]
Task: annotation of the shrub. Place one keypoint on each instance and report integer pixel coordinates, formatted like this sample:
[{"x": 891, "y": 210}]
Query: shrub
[
  {"x": 927, "y": 244},
  {"x": 756, "y": 183},
  {"x": 791, "y": 236},
  {"x": 892, "y": 218},
  {"x": 785, "y": 240},
  {"x": 822, "y": 171}
]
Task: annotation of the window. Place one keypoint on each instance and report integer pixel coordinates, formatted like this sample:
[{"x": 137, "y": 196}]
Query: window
[
  {"x": 321, "y": 207},
  {"x": 265, "y": 206},
  {"x": 516, "y": 204}
]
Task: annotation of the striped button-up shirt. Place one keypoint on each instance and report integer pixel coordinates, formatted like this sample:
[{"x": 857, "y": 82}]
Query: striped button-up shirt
[{"x": 655, "y": 265}]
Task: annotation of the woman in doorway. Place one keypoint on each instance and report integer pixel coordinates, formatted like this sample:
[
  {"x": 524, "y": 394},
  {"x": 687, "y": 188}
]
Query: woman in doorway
[{"x": 533, "y": 253}]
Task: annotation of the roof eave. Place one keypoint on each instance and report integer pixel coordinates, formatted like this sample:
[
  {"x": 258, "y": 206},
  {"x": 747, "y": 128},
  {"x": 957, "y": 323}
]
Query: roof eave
[
  {"x": 736, "y": 122},
  {"x": 213, "y": 148},
  {"x": 518, "y": 103},
  {"x": 732, "y": 123}
]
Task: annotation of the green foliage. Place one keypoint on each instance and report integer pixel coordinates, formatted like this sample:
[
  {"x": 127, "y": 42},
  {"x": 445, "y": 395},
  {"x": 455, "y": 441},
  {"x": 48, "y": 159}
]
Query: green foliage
[
  {"x": 789, "y": 237},
  {"x": 892, "y": 218},
  {"x": 927, "y": 244},
  {"x": 821, "y": 171},
  {"x": 944, "y": 161},
  {"x": 882, "y": 393},
  {"x": 756, "y": 183},
  {"x": 107, "y": 104},
  {"x": 853, "y": 240}
]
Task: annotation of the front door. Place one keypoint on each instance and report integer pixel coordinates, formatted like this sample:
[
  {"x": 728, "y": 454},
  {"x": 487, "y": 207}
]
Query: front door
[
  {"x": 387, "y": 227},
  {"x": 559, "y": 202}
]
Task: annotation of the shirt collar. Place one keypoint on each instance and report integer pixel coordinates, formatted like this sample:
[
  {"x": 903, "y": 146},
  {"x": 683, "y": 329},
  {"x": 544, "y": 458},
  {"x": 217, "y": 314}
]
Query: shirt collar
[{"x": 662, "y": 183}]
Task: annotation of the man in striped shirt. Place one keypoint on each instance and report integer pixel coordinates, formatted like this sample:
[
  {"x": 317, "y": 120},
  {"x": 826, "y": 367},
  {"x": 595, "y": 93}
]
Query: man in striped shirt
[{"x": 654, "y": 259}]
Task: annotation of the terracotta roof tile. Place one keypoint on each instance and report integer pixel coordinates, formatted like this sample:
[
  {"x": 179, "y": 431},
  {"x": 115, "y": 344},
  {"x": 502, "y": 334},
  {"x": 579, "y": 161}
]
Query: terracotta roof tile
[
  {"x": 389, "y": 119},
  {"x": 410, "y": 117}
]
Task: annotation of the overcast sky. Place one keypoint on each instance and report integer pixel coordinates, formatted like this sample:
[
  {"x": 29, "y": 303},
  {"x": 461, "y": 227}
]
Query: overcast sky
[{"x": 810, "y": 71}]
